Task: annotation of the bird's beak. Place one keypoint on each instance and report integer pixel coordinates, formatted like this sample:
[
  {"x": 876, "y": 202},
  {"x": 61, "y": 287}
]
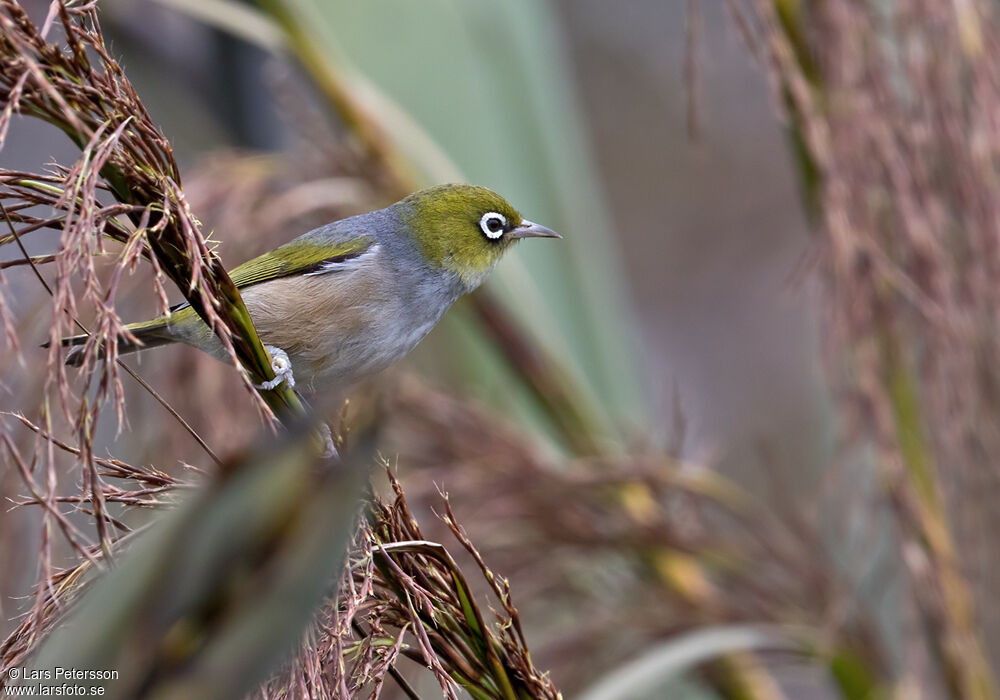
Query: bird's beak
[{"x": 529, "y": 229}]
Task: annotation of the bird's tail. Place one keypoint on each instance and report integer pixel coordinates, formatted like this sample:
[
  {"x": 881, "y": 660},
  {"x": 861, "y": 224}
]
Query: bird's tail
[{"x": 147, "y": 334}]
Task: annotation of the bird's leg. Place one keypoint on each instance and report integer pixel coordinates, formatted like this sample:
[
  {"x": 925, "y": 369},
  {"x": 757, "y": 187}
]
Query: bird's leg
[{"x": 282, "y": 368}]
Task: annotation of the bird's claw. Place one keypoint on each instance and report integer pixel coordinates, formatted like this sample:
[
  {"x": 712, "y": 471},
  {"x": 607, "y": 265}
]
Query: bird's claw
[
  {"x": 281, "y": 365},
  {"x": 329, "y": 448}
]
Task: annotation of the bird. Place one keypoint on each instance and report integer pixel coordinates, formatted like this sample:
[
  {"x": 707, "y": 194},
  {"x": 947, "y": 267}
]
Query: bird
[{"x": 349, "y": 299}]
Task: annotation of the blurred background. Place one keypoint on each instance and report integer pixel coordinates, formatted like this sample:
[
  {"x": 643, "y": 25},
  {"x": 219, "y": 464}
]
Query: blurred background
[{"x": 687, "y": 307}]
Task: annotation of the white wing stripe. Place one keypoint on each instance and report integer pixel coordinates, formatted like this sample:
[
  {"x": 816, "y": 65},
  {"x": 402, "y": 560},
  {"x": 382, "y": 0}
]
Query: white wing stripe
[{"x": 344, "y": 265}]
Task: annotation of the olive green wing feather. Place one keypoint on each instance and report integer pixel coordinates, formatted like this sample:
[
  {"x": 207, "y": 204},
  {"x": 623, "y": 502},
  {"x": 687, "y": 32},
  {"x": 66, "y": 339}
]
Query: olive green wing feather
[
  {"x": 313, "y": 253},
  {"x": 299, "y": 257}
]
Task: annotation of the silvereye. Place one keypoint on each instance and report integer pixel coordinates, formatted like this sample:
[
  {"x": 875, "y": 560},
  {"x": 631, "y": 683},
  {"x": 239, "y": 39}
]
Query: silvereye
[{"x": 352, "y": 297}]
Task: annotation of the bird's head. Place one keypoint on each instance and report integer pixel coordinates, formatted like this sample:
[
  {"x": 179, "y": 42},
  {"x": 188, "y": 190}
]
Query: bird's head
[{"x": 465, "y": 229}]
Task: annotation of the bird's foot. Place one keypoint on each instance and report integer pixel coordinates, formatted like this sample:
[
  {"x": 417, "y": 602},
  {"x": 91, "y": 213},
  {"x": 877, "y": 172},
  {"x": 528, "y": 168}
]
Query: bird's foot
[
  {"x": 329, "y": 448},
  {"x": 281, "y": 365}
]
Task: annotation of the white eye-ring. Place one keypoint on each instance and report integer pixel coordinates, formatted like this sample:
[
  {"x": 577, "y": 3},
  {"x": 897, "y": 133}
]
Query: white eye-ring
[{"x": 493, "y": 224}]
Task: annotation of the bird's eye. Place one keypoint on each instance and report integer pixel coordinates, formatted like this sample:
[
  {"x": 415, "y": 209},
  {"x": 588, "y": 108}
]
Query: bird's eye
[{"x": 493, "y": 224}]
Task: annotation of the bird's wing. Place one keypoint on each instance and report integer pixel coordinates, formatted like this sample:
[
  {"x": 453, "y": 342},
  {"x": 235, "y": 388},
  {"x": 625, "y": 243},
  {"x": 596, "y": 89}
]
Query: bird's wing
[
  {"x": 299, "y": 257},
  {"x": 307, "y": 254}
]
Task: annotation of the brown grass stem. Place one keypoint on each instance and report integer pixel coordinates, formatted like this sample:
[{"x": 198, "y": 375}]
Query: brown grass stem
[{"x": 32, "y": 262}]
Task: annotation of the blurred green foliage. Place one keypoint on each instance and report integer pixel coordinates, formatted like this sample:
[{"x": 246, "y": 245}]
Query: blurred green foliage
[{"x": 218, "y": 592}]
